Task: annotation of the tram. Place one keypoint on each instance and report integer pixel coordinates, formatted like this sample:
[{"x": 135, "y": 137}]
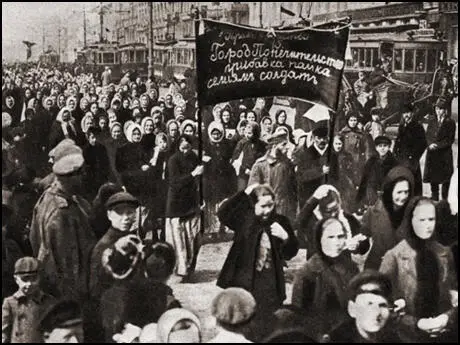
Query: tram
[
  {"x": 97, "y": 56},
  {"x": 49, "y": 57},
  {"x": 414, "y": 55}
]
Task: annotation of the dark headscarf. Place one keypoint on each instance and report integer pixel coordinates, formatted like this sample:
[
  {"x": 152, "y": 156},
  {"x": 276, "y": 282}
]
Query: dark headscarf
[{"x": 427, "y": 269}]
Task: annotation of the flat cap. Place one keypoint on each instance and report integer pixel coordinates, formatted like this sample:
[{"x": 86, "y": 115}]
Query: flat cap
[
  {"x": 382, "y": 139},
  {"x": 67, "y": 159},
  {"x": 370, "y": 281},
  {"x": 233, "y": 306},
  {"x": 62, "y": 314},
  {"x": 26, "y": 265},
  {"x": 441, "y": 103},
  {"x": 277, "y": 137},
  {"x": 121, "y": 198},
  {"x": 64, "y": 142}
]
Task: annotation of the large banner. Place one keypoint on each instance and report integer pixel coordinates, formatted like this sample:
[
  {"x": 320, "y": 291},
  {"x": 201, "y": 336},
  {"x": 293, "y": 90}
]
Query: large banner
[{"x": 235, "y": 62}]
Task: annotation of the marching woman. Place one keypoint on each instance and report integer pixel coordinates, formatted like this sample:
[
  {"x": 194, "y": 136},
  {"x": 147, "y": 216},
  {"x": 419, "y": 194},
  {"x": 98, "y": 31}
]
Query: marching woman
[
  {"x": 422, "y": 273},
  {"x": 183, "y": 222}
]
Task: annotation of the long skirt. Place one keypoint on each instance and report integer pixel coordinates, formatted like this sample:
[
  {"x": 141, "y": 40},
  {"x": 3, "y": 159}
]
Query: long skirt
[{"x": 183, "y": 235}]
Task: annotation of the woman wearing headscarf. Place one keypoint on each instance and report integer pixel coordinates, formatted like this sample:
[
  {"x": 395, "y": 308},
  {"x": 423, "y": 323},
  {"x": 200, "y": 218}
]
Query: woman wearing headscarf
[
  {"x": 423, "y": 275},
  {"x": 125, "y": 111},
  {"x": 219, "y": 177},
  {"x": 320, "y": 287},
  {"x": 178, "y": 325},
  {"x": 132, "y": 162},
  {"x": 189, "y": 127},
  {"x": 148, "y": 139},
  {"x": 87, "y": 121},
  {"x": 247, "y": 151},
  {"x": 159, "y": 181},
  {"x": 102, "y": 123},
  {"x": 158, "y": 120},
  {"x": 64, "y": 127},
  {"x": 96, "y": 162},
  {"x": 172, "y": 131},
  {"x": 266, "y": 128},
  {"x": 324, "y": 203},
  {"x": 145, "y": 106},
  {"x": 169, "y": 108},
  {"x": 381, "y": 221},
  {"x": 116, "y": 141},
  {"x": 82, "y": 109},
  {"x": 280, "y": 121}
]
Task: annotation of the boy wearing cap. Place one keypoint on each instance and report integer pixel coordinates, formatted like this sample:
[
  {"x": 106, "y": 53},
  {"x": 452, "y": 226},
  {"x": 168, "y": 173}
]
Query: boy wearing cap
[
  {"x": 21, "y": 312},
  {"x": 370, "y": 308},
  {"x": 375, "y": 170},
  {"x": 121, "y": 212},
  {"x": 439, "y": 165},
  {"x": 410, "y": 144},
  {"x": 62, "y": 323}
]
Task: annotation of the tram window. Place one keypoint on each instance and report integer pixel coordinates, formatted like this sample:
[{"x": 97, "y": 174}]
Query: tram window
[
  {"x": 398, "y": 59},
  {"x": 431, "y": 60},
  {"x": 108, "y": 58},
  {"x": 355, "y": 60},
  {"x": 367, "y": 58},
  {"x": 408, "y": 60},
  {"x": 420, "y": 57}
]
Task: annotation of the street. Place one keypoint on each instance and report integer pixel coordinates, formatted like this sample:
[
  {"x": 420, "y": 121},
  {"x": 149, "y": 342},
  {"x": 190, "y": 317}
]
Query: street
[{"x": 199, "y": 293}]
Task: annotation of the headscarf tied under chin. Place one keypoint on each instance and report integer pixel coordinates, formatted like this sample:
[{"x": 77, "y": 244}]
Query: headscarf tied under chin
[
  {"x": 170, "y": 318},
  {"x": 130, "y": 130},
  {"x": 216, "y": 126},
  {"x": 427, "y": 269}
]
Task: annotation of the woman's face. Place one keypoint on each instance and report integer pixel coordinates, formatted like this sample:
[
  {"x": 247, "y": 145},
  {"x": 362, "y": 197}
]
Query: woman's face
[
  {"x": 84, "y": 103},
  {"x": 282, "y": 118},
  {"x": 352, "y": 122},
  {"x": 184, "y": 145},
  {"x": 48, "y": 104},
  {"x": 105, "y": 103},
  {"x": 178, "y": 111},
  {"x": 162, "y": 144},
  {"x": 9, "y": 102},
  {"x": 148, "y": 127},
  {"x": 168, "y": 99},
  {"x": 248, "y": 132},
  {"x": 144, "y": 101},
  {"x": 226, "y": 116},
  {"x": 216, "y": 135},
  {"x": 173, "y": 130},
  {"x": 267, "y": 124},
  {"x": 61, "y": 101},
  {"x": 116, "y": 132},
  {"x": 126, "y": 104},
  {"x": 264, "y": 206},
  {"x": 400, "y": 194},
  {"x": 92, "y": 139},
  {"x": 112, "y": 116},
  {"x": 28, "y": 93},
  {"x": 71, "y": 104},
  {"x": 102, "y": 122},
  {"x": 39, "y": 95},
  {"x": 424, "y": 220},
  {"x": 251, "y": 116},
  {"x": 338, "y": 144},
  {"x": 93, "y": 108},
  {"x": 136, "y": 103},
  {"x": 333, "y": 239},
  {"x": 66, "y": 116},
  {"x": 136, "y": 137},
  {"x": 188, "y": 130},
  {"x": 89, "y": 122}
]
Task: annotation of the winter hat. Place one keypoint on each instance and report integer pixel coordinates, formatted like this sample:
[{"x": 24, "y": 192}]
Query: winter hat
[
  {"x": 122, "y": 258},
  {"x": 121, "y": 198},
  {"x": 67, "y": 159},
  {"x": 233, "y": 306},
  {"x": 64, "y": 142},
  {"x": 277, "y": 137}
]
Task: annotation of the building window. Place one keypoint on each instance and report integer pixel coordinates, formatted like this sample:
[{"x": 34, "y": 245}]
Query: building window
[
  {"x": 397, "y": 60},
  {"x": 367, "y": 58},
  {"x": 408, "y": 60}
]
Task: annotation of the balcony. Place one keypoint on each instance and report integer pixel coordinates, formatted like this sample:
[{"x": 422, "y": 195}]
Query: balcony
[{"x": 448, "y": 7}]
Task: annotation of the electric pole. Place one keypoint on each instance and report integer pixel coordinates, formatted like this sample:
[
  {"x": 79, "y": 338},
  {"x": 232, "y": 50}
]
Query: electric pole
[
  {"x": 260, "y": 14},
  {"x": 151, "y": 61},
  {"x": 101, "y": 20},
  {"x": 59, "y": 43},
  {"x": 84, "y": 27},
  {"x": 43, "y": 38}
]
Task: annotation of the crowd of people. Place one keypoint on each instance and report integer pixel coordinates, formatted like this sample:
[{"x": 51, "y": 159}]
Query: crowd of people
[{"x": 108, "y": 191}]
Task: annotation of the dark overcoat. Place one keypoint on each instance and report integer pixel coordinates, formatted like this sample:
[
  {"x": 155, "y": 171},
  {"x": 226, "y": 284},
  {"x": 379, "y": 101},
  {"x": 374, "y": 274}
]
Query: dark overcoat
[
  {"x": 237, "y": 213},
  {"x": 439, "y": 165}
]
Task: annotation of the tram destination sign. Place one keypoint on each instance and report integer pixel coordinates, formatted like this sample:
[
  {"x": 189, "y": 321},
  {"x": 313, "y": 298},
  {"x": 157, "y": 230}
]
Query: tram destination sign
[{"x": 235, "y": 62}]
